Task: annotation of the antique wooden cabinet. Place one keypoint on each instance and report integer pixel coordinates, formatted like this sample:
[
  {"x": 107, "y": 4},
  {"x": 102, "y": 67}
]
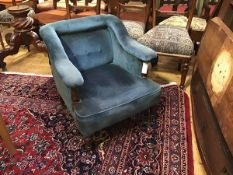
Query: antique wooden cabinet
[{"x": 212, "y": 98}]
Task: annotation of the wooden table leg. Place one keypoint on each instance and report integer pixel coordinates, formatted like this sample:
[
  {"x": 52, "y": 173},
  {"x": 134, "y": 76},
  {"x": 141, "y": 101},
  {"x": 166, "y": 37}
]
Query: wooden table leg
[
  {"x": 6, "y": 137},
  {"x": 1, "y": 40}
]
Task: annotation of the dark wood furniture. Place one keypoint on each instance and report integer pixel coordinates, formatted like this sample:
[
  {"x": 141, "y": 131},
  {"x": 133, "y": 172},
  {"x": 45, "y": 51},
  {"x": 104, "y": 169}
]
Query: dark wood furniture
[
  {"x": 166, "y": 8},
  {"x": 209, "y": 10},
  {"x": 23, "y": 28},
  {"x": 183, "y": 60},
  {"x": 48, "y": 12},
  {"x": 84, "y": 5},
  {"x": 212, "y": 98},
  {"x": 44, "y": 6},
  {"x": 138, "y": 9}
]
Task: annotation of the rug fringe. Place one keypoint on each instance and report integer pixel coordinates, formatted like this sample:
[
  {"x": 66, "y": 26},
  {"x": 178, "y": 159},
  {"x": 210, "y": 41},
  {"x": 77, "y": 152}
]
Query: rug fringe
[{"x": 22, "y": 73}]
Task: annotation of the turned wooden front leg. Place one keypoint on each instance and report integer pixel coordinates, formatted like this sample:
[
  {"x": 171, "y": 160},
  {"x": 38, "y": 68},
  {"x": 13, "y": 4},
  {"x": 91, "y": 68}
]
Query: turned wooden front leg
[
  {"x": 6, "y": 137},
  {"x": 184, "y": 71},
  {"x": 75, "y": 98}
]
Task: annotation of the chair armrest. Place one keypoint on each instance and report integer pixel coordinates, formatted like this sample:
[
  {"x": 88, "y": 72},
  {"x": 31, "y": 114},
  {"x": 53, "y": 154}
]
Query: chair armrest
[
  {"x": 68, "y": 73},
  {"x": 136, "y": 49}
]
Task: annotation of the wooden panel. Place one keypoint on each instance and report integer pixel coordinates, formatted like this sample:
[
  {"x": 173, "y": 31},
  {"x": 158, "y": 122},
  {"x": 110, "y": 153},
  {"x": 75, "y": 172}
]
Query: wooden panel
[
  {"x": 212, "y": 98},
  {"x": 215, "y": 62},
  {"x": 214, "y": 150}
]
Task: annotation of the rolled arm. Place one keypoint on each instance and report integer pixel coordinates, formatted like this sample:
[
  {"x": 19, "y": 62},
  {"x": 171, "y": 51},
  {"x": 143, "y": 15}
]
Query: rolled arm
[
  {"x": 136, "y": 49},
  {"x": 68, "y": 73}
]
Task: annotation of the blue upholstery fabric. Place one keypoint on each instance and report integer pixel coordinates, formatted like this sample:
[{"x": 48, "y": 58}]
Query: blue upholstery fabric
[
  {"x": 96, "y": 56},
  {"x": 84, "y": 57},
  {"x": 110, "y": 94}
]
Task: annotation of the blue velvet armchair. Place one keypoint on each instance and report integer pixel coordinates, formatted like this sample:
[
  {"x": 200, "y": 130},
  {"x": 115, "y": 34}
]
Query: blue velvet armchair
[{"x": 97, "y": 70}]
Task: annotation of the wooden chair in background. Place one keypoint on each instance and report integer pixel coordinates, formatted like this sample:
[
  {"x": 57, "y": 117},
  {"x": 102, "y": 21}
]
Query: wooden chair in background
[
  {"x": 48, "y": 12},
  {"x": 81, "y": 8},
  {"x": 44, "y": 6},
  {"x": 134, "y": 15},
  {"x": 226, "y": 13},
  {"x": 172, "y": 42},
  {"x": 209, "y": 8},
  {"x": 163, "y": 9},
  {"x": 69, "y": 9}
]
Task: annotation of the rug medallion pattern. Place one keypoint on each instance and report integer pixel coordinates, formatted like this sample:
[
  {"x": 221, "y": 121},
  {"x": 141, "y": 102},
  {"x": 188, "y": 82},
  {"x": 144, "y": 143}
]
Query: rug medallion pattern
[{"x": 38, "y": 122}]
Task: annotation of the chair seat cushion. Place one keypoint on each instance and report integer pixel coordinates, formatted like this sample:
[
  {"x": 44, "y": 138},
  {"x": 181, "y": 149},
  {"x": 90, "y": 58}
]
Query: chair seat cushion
[
  {"x": 110, "y": 94},
  {"x": 198, "y": 24},
  {"x": 135, "y": 29},
  {"x": 168, "y": 39},
  {"x": 6, "y": 17}
]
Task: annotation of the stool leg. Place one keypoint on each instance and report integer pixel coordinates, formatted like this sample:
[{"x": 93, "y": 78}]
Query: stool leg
[{"x": 6, "y": 137}]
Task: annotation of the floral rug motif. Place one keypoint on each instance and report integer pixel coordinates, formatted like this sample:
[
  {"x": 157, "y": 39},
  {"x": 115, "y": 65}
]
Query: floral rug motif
[{"x": 39, "y": 124}]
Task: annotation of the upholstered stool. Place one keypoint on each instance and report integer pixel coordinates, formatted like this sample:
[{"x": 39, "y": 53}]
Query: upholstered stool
[
  {"x": 171, "y": 42},
  {"x": 135, "y": 29},
  {"x": 198, "y": 24},
  {"x": 166, "y": 39},
  {"x": 134, "y": 15}
]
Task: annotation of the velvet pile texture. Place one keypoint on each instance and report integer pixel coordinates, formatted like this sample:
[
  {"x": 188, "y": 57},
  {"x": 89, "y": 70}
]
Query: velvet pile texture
[{"x": 96, "y": 56}]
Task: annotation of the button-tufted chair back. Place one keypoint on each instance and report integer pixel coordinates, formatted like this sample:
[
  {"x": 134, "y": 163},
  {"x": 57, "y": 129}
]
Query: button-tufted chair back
[{"x": 88, "y": 49}]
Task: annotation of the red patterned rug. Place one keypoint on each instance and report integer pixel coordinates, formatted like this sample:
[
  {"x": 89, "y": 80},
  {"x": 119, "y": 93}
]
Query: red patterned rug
[{"x": 39, "y": 124}]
